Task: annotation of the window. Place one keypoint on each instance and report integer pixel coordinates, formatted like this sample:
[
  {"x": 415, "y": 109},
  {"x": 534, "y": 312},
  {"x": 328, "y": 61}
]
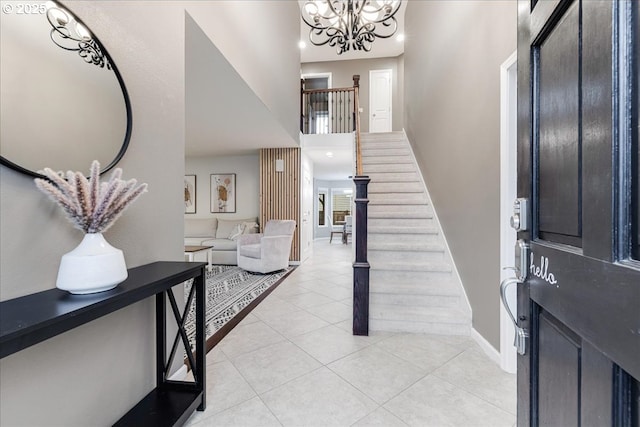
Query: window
[
  {"x": 340, "y": 204},
  {"x": 322, "y": 207}
]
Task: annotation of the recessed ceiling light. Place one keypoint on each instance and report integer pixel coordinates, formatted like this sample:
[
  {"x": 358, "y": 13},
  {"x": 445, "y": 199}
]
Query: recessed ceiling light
[
  {"x": 400, "y": 37},
  {"x": 302, "y": 44},
  {"x": 329, "y": 154}
]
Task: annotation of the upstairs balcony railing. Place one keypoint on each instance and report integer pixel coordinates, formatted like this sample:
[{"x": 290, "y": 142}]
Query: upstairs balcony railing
[{"x": 326, "y": 111}]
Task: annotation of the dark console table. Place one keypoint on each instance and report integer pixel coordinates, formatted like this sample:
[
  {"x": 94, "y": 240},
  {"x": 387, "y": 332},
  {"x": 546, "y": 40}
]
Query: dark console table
[{"x": 31, "y": 319}]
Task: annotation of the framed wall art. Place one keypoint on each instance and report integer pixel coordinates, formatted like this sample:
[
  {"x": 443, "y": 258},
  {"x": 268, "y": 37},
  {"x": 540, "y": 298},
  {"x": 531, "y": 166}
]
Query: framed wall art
[
  {"x": 223, "y": 193},
  {"x": 189, "y": 194}
]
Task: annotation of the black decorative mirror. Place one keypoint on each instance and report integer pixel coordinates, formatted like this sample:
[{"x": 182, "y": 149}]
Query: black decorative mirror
[{"x": 63, "y": 100}]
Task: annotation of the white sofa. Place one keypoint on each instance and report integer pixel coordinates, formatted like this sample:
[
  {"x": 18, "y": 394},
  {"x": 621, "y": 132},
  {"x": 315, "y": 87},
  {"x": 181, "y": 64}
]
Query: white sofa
[{"x": 220, "y": 233}]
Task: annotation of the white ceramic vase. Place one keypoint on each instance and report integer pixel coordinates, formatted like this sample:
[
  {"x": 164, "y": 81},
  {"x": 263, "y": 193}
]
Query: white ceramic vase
[{"x": 93, "y": 266}]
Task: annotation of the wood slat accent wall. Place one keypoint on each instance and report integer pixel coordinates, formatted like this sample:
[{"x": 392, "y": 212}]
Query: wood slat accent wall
[{"x": 280, "y": 191}]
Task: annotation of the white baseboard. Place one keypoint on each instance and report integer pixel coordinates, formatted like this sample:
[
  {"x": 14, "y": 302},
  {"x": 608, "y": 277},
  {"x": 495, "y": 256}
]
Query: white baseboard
[
  {"x": 485, "y": 346},
  {"x": 180, "y": 374}
]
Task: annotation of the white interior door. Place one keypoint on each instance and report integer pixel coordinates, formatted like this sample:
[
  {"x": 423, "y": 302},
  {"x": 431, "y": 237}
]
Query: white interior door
[
  {"x": 380, "y": 100},
  {"x": 306, "y": 230}
]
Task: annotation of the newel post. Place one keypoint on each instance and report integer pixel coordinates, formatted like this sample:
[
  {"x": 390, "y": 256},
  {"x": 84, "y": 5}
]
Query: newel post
[{"x": 361, "y": 265}]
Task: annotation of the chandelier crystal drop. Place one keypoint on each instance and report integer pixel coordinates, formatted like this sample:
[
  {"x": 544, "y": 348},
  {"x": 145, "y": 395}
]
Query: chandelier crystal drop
[{"x": 350, "y": 24}]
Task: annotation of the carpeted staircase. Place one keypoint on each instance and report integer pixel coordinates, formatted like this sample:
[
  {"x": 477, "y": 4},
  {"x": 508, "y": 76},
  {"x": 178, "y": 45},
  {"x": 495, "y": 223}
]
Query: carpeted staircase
[{"x": 413, "y": 286}]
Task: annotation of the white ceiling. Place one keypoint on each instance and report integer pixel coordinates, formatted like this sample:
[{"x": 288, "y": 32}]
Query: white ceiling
[
  {"x": 381, "y": 48},
  {"x": 335, "y": 168}
]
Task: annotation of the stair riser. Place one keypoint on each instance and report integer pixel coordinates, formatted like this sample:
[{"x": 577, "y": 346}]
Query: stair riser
[
  {"x": 395, "y": 187},
  {"x": 414, "y": 300},
  {"x": 403, "y": 238},
  {"x": 398, "y": 199},
  {"x": 416, "y": 314},
  {"x": 383, "y": 136},
  {"x": 418, "y": 327},
  {"x": 420, "y": 267},
  {"x": 387, "y": 160},
  {"x": 376, "y": 257},
  {"x": 394, "y": 280},
  {"x": 402, "y": 222},
  {"x": 393, "y": 216},
  {"x": 422, "y": 210},
  {"x": 436, "y": 288},
  {"x": 406, "y": 247},
  {"x": 370, "y": 168},
  {"x": 384, "y": 145},
  {"x": 385, "y": 152},
  {"x": 395, "y": 229},
  {"x": 380, "y": 177}
]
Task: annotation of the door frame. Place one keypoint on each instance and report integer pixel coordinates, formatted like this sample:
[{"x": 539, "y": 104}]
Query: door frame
[
  {"x": 329, "y": 77},
  {"x": 390, "y": 73},
  {"x": 508, "y": 191}
]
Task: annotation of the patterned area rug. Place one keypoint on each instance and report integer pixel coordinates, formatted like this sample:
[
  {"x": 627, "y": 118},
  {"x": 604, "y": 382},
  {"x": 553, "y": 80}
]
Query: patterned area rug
[{"x": 229, "y": 289}]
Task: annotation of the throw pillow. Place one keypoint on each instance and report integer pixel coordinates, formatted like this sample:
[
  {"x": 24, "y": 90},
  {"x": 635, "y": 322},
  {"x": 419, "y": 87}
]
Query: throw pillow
[
  {"x": 250, "y": 228},
  {"x": 236, "y": 231}
]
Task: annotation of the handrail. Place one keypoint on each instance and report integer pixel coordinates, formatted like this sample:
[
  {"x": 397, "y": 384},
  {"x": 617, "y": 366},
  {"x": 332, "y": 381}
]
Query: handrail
[{"x": 335, "y": 89}]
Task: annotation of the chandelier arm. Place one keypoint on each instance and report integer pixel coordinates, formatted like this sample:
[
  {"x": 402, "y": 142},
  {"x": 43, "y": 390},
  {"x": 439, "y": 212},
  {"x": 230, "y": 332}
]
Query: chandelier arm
[
  {"x": 346, "y": 24},
  {"x": 390, "y": 34}
]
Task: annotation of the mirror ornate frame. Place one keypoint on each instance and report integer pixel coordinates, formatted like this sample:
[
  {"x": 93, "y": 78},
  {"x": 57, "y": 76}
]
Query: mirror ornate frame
[{"x": 87, "y": 46}]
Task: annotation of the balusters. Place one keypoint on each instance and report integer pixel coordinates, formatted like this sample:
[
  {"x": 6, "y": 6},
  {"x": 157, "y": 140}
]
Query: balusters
[{"x": 327, "y": 111}]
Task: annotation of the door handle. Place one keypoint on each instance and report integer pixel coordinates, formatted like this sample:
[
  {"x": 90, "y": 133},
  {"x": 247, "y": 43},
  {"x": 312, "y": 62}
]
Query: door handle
[
  {"x": 522, "y": 258},
  {"x": 520, "y": 339}
]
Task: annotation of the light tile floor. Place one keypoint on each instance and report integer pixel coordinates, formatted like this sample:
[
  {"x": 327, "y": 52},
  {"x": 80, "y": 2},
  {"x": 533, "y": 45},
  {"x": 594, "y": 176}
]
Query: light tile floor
[{"x": 294, "y": 362}]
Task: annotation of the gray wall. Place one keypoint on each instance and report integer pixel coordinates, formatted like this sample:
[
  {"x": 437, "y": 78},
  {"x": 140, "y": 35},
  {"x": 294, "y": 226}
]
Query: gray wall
[
  {"x": 247, "y": 170},
  {"x": 453, "y": 52},
  {"x": 93, "y": 374},
  {"x": 244, "y": 32},
  {"x": 342, "y": 76}
]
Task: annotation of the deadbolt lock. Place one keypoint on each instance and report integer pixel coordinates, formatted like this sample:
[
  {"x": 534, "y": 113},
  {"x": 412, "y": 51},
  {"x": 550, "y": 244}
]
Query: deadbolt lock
[{"x": 520, "y": 218}]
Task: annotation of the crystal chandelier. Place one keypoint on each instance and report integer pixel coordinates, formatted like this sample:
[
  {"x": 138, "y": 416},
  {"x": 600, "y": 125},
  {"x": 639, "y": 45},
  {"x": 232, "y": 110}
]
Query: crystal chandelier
[{"x": 348, "y": 24}]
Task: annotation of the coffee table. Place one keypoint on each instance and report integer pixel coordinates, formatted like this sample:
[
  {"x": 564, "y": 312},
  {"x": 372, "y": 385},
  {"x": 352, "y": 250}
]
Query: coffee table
[{"x": 191, "y": 250}]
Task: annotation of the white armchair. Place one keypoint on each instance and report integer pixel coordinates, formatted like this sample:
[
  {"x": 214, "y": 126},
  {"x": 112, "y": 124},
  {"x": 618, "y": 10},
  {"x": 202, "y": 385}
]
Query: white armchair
[{"x": 268, "y": 251}]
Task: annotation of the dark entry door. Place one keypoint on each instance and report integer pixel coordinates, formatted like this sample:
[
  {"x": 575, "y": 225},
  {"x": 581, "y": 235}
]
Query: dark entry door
[{"x": 578, "y": 159}]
